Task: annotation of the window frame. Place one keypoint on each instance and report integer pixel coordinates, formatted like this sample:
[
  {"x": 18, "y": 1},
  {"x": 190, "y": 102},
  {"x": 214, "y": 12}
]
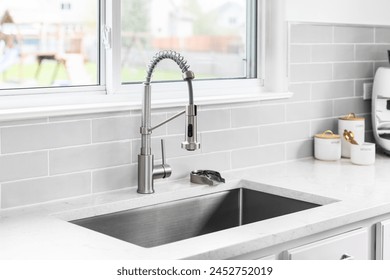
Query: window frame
[
  {"x": 111, "y": 95},
  {"x": 254, "y": 50}
]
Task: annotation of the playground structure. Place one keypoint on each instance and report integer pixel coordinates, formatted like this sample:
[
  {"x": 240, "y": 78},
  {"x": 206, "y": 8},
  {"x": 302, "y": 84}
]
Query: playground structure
[{"x": 44, "y": 46}]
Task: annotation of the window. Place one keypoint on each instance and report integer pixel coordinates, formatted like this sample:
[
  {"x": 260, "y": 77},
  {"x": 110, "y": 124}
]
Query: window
[
  {"x": 46, "y": 43},
  {"x": 62, "y": 45},
  {"x": 211, "y": 35}
]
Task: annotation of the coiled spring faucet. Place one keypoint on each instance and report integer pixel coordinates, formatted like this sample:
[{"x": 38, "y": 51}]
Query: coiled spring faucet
[{"x": 147, "y": 170}]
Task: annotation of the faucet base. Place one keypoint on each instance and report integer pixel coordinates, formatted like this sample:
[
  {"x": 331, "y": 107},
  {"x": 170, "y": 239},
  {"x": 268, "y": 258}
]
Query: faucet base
[
  {"x": 138, "y": 191},
  {"x": 145, "y": 174}
]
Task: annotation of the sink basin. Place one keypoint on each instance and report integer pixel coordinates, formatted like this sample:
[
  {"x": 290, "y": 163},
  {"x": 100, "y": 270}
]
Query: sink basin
[{"x": 173, "y": 221}]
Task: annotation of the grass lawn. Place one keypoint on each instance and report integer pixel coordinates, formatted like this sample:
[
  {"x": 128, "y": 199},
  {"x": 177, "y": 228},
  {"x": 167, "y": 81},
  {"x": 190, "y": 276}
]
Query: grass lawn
[{"x": 25, "y": 73}]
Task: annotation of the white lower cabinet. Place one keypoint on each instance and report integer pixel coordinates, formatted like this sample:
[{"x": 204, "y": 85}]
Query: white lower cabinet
[
  {"x": 346, "y": 246},
  {"x": 383, "y": 240}
]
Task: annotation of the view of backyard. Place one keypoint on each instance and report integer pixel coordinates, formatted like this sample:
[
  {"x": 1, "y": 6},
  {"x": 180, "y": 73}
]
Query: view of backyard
[{"x": 47, "y": 43}]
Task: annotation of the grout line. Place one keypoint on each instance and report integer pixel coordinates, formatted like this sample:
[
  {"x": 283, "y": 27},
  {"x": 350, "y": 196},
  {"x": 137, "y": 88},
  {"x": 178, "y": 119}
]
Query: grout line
[
  {"x": 71, "y": 147},
  {"x": 231, "y": 160},
  {"x": 230, "y": 118},
  {"x": 341, "y": 44},
  {"x": 311, "y": 92},
  {"x": 90, "y": 131},
  {"x": 330, "y": 81},
  {"x": 91, "y": 183},
  {"x": 48, "y": 163},
  {"x": 335, "y": 62},
  {"x": 333, "y": 34},
  {"x": 46, "y": 176}
]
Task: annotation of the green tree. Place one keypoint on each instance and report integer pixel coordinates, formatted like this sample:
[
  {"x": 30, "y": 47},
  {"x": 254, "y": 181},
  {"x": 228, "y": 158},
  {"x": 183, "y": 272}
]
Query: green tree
[{"x": 135, "y": 16}]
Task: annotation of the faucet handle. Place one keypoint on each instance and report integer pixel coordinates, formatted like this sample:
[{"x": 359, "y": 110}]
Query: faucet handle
[
  {"x": 163, "y": 152},
  {"x": 162, "y": 170}
]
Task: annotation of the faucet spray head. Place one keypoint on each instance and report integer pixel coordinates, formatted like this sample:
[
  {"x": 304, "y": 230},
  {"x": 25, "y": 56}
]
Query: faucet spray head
[{"x": 190, "y": 142}]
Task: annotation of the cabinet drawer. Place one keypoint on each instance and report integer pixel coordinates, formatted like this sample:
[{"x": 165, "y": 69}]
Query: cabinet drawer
[{"x": 355, "y": 244}]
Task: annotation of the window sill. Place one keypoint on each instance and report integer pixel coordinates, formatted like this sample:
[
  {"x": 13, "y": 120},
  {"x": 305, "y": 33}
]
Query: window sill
[
  {"x": 114, "y": 104},
  {"x": 49, "y": 105}
]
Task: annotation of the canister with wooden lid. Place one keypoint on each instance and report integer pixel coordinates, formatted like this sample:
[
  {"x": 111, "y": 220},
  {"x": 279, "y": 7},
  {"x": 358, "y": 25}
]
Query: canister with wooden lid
[
  {"x": 327, "y": 146},
  {"x": 354, "y": 124}
]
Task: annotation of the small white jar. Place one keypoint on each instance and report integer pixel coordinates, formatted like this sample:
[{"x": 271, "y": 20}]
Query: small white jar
[
  {"x": 354, "y": 124},
  {"x": 327, "y": 146},
  {"x": 363, "y": 154}
]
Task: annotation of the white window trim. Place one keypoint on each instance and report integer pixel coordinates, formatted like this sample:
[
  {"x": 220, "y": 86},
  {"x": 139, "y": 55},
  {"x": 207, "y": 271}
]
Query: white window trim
[{"x": 112, "y": 96}]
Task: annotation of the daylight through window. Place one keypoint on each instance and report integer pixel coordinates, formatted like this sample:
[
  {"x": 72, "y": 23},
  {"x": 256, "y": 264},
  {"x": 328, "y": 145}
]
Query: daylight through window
[
  {"x": 56, "y": 43},
  {"x": 48, "y": 43},
  {"x": 211, "y": 35}
]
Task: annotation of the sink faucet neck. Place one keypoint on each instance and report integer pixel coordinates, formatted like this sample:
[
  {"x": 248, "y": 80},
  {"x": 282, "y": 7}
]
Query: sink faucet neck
[{"x": 147, "y": 171}]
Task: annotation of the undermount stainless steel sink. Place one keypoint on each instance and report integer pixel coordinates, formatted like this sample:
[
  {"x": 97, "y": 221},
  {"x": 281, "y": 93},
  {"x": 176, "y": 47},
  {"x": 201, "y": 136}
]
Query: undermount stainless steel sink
[{"x": 168, "y": 222}]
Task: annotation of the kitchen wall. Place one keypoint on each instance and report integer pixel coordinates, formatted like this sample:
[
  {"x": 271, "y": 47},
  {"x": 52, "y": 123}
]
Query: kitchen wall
[
  {"x": 374, "y": 12},
  {"x": 54, "y": 158}
]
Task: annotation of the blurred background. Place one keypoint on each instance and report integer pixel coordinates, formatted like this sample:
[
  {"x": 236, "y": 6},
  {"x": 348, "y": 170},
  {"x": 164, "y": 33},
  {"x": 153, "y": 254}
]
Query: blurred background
[{"x": 45, "y": 43}]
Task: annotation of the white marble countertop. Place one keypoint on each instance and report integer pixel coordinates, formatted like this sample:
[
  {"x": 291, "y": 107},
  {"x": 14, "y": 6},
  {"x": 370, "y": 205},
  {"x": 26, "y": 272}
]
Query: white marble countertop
[{"x": 350, "y": 193}]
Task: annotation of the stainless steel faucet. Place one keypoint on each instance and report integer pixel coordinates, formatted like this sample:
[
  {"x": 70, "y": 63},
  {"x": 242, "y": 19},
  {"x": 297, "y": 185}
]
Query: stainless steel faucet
[{"x": 147, "y": 170}]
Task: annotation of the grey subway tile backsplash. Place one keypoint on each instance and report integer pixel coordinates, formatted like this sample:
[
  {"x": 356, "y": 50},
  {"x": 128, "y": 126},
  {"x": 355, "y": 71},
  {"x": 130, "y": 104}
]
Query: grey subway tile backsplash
[
  {"x": 23, "y": 122},
  {"x": 356, "y": 105},
  {"x": 45, "y": 189},
  {"x": 61, "y": 157},
  {"x": 332, "y": 53},
  {"x": 45, "y": 136},
  {"x": 353, "y": 70},
  {"x": 258, "y": 156},
  {"x": 89, "y": 116},
  {"x": 353, "y": 34},
  {"x": 319, "y": 126},
  {"x": 96, "y": 156},
  {"x": 122, "y": 128},
  {"x": 254, "y": 116},
  {"x": 359, "y": 86},
  {"x": 23, "y": 166},
  {"x": 311, "y": 33},
  {"x": 309, "y": 110},
  {"x": 279, "y": 133},
  {"x": 311, "y": 72},
  {"x": 208, "y": 120},
  {"x": 301, "y": 92},
  {"x": 333, "y": 90},
  {"x": 114, "y": 178},
  {"x": 382, "y": 35},
  {"x": 300, "y": 54},
  {"x": 182, "y": 167},
  {"x": 172, "y": 147},
  {"x": 300, "y": 149},
  {"x": 114, "y": 129},
  {"x": 229, "y": 139},
  {"x": 372, "y": 52}
]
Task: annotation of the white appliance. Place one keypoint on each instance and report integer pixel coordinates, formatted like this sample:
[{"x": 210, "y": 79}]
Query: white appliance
[{"x": 381, "y": 108}]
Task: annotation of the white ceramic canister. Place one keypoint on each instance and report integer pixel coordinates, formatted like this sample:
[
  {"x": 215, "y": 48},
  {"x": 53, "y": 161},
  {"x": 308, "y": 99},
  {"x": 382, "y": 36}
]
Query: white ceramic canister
[
  {"x": 327, "y": 146},
  {"x": 363, "y": 154},
  {"x": 354, "y": 124}
]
